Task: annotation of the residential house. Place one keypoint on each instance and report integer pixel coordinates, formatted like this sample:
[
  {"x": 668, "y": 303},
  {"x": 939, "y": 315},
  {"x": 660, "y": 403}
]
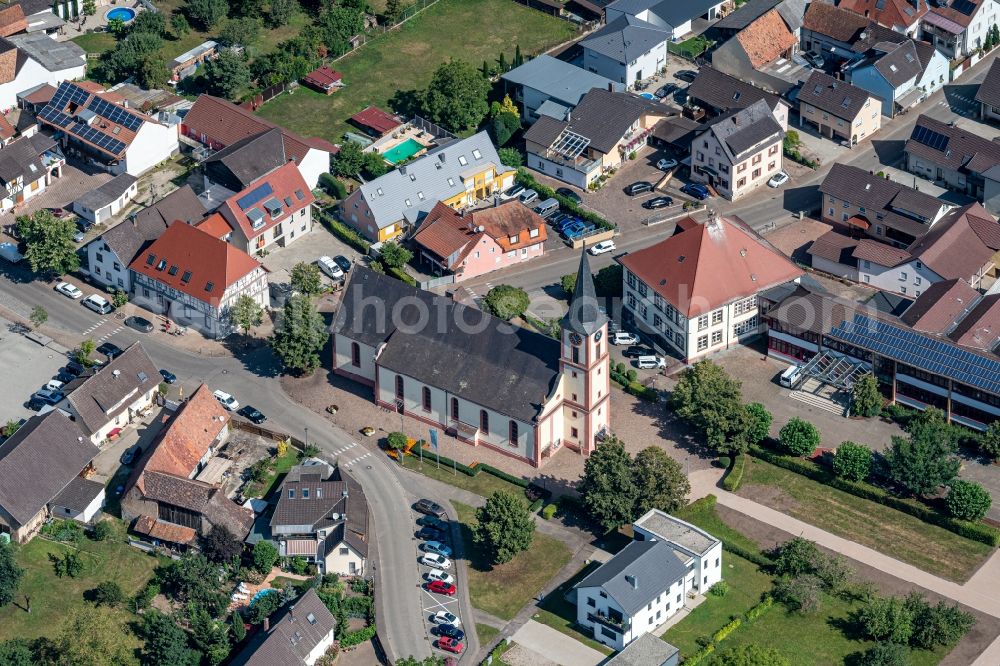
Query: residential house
[
  {"x": 738, "y": 152},
  {"x": 672, "y": 292},
  {"x": 958, "y": 28},
  {"x": 857, "y": 200},
  {"x": 950, "y": 156},
  {"x": 194, "y": 278},
  {"x": 98, "y": 129},
  {"x": 477, "y": 242},
  {"x": 297, "y": 635},
  {"x": 81, "y": 500},
  {"x": 460, "y": 174},
  {"x": 324, "y": 79},
  {"x": 839, "y": 110},
  {"x": 603, "y": 130},
  {"x": 627, "y": 49},
  {"x": 187, "y": 63},
  {"x": 106, "y": 402},
  {"x": 104, "y": 202},
  {"x": 27, "y": 61},
  {"x": 164, "y": 486},
  {"x": 27, "y": 167},
  {"x": 109, "y": 255},
  {"x": 322, "y": 516},
  {"x": 48, "y": 17},
  {"x": 719, "y": 94},
  {"x": 548, "y": 86},
  {"x": 38, "y": 463},
  {"x": 12, "y": 20},
  {"x": 761, "y": 53},
  {"x": 647, "y": 582},
  {"x": 903, "y": 16},
  {"x": 890, "y": 72},
  {"x": 672, "y": 17},
  {"x": 216, "y": 123},
  {"x": 988, "y": 94},
  {"x": 791, "y": 12},
  {"x": 475, "y": 377}
]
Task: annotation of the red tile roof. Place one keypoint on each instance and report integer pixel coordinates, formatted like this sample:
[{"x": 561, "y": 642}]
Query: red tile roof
[
  {"x": 890, "y": 13},
  {"x": 186, "y": 251},
  {"x": 444, "y": 232},
  {"x": 104, "y": 126},
  {"x": 981, "y": 327},
  {"x": 42, "y": 95},
  {"x": 708, "y": 265},
  {"x": 157, "y": 529},
  {"x": 287, "y": 188},
  {"x": 766, "y": 39},
  {"x": 960, "y": 243},
  {"x": 12, "y": 21},
  {"x": 7, "y": 130},
  {"x": 834, "y": 22},
  {"x": 375, "y": 118},
  {"x": 216, "y": 225},
  {"x": 942, "y": 304},
  {"x": 880, "y": 253},
  {"x": 323, "y": 77}
]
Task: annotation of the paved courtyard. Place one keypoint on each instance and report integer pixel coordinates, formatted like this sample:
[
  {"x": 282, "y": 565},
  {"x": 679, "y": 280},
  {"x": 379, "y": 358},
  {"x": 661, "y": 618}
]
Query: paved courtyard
[{"x": 27, "y": 367}]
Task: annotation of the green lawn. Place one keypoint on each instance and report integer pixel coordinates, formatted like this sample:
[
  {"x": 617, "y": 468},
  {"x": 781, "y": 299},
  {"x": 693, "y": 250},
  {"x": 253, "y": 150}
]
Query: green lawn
[
  {"x": 95, "y": 42},
  {"x": 53, "y": 599},
  {"x": 485, "y": 633},
  {"x": 473, "y": 30},
  {"x": 504, "y": 589},
  {"x": 887, "y": 530},
  {"x": 482, "y": 484},
  {"x": 276, "y": 472},
  {"x": 691, "y": 48},
  {"x": 560, "y": 614}
]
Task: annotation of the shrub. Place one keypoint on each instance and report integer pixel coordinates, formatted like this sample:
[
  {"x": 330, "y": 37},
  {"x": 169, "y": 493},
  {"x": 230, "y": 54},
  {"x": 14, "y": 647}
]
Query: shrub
[
  {"x": 397, "y": 441},
  {"x": 968, "y": 500},
  {"x": 357, "y": 637},
  {"x": 721, "y": 634},
  {"x": 536, "y": 505},
  {"x": 332, "y": 186},
  {"x": 499, "y": 473},
  {"x": 725, "y": 462},
  {"x": 104, "y": 531},
  {"x": 735, "y": 475},
  {"x": 887, "y": 619},
  {"x": 144, "y": 597},
  {"x": 795, "y": 557},
  {"x": 265, "y": 556},
  {"x": 549, "y": 511},
  {"x": 801, "y": 593},
  {"x": 720, "y": 589},
  {"x": 885, "y": 654},
  {"x": 799, "y": 437},
  {"x": 346, "y": 234},
  {"x": 108, "y": 593},
  {"x": 700, "y": 655},
  {"x": 298, "y": 565},
  {"x": 852, "y": 461}
]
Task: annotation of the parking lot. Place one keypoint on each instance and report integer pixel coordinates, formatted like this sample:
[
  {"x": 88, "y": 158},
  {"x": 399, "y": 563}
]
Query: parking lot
[{"x": 27, "y": 367}]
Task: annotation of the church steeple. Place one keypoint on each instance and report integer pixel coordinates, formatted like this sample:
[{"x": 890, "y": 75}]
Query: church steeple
[{"x": 584, "y": 316}]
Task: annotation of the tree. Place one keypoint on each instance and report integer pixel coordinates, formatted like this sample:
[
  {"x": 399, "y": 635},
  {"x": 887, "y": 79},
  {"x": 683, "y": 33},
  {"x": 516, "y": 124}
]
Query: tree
[
  {"x": 82, "y": 355},
  {"x": 712, "y": 403},
  {"x": 375, "y": 165},
  {"x": 239, "y": 629},
  {"x": 108, "y": 593},
  {"x": 925, "y": 460},
  {"x": 456, "y": 96},
  {"x": 10, "y": 574},
  {"x": 164, "y": 643},
  {"x": 397, "y": 441},
  {"x": 866, "y": 400},
  {"x": 511, "y": 157},
  {"x": 568, "y": 284},
  {"x": 207, "y": 13},
  {"x": 210, "y": 635},
  {"x": 240, "y": 31},
  {"x": 149, "y": 22},
  {"x": 179, "y": 24},
  {"x": 758, "y": 424},
  {"x": 119, "y": 298},
  {"x": 659, "y": 481},
  {"x": 394, "y": 255},
  {"x": 221, "y": 545},
  {"x": 795, "y": 557},
  {"x": 942, "y": 624},
  {"x": 264, "y": 607},
  {"x": 280, "y": 12},
  {"x": 749, "y": 654},
  {"x": 17, "y": 652},
  {"x": 608, "y": 485},
  {"x": 91, "y": 636},
  {"x": 349, "y": 161},
  {"x": 887, "y": 619},
  {"x": 503, "y": 527},
  {"x": 265, "y": 556},
  {"x": 116, "y": 26},
  {"x": 800, "y": 593},
  {"x": 50, "y": 247},
  {"x": 968, "y": 500},
  {"x": 136, "y": 55},
  {"x": 852, "y": 461},
  {"x": 989, "y": 441},
  {"x": 506, "y": 302},
  {"x": 89, "y": 7},
  {"x": 799, "y": 437},
  {"x": 105, "y": 530},
  {"x": 503, "y": 127},
  {"x": 393, "y": 10},
  {"x": 246, "y": 313},
  {"x": 608, "y": 281},
  {"x": 300, "y": 335},
  {"x": 38, "y": 316},
  {"x": 336, "y": 25},
  {"x": 193, "y": 580},
  {"x": 306, "y": 279},
  {"x": 227, "y": 75},
  {"x": 885, "y": 654},
  {"x": 832, "y": 570}
]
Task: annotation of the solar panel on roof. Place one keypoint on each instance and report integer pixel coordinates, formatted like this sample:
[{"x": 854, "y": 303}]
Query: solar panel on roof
[
  {"x": 96, "y": 138},
  {"x": 115, "y": 114},
  {"x": 930, "y": 138},
  {"x": 964, "y": 7},
  {"x": 55, "y": 116},
  {"x": 255, "y": 195}
]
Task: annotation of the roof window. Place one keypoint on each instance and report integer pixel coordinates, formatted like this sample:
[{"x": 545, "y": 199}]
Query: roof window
[
  {"x": 413, "y": 176},
  {"x": 378, "y": 191},
  {"x": 475, "y": 153},
  {"x": 209, "y": 286},
  {"x": 150, "y": 259},
  {"x": 299, "y": 195},
  {"x": 462, "y": 160},
  {"x": 186, "y": 277},
  {"x": 451, "y": 182},
  {"x": 173, "y": 270},
  {"x": 161, "y": 264}
]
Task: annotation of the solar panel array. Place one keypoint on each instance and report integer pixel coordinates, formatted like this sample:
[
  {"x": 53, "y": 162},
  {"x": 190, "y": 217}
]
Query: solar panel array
[
  {"x": 570, "y": 144},
  {"x": 68, "y": 93},
  {"x": 920, "y": 351},
  {"x": 97, "y": 138},
  {"x": 254, "y": 196},
  {"x": 930, "y": 138},
  {"x": 964, "y": 7},
  {"x": 53, "y": 115},
  {"x": 115, "y": 114}
]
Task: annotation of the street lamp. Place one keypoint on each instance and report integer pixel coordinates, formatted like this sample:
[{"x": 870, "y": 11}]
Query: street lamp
[{"x": 307, "y": 438}]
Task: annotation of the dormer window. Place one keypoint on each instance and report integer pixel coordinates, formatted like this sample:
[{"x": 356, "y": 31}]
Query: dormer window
[
  {"x": 291, "y": 493},
  {"x": 305, "y": 493}
]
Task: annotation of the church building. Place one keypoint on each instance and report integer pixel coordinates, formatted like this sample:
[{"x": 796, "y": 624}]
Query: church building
[{"x": 476, "y": 377}]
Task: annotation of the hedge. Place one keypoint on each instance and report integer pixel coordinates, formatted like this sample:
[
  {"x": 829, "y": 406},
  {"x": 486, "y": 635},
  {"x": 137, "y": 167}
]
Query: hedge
[
  {"x": 448, "y": 462},
  {"x": 346, "y": 234},
  {"x": 358, "y": 637},
  {"x": 756, "y": 557},
  {"x": 499, "y": 473},
  {"x": 549, "y": 511},
  {"x": 401, "y": 274},
  {"x": 976, "y": 531},
  {"x": 760, "y": 608},
  {"x": 701, "y": 654},
  {"x": 735, "y": 474},
  {"x": 536, "y": 505},
  {"x": 635, "y": 388},
  {"x": 526, "y": 179},
  {"x": 332, "y": 186},
  {"x": 723, "y": 633}
]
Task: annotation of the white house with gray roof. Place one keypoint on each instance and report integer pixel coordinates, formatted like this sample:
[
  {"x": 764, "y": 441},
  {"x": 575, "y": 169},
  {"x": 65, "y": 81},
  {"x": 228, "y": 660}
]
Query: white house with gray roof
[
  {"x": 548, "y": 86},
  {"x": 626, "y": 50},
  {"x": 669, "y": 15},
  {"x": 648, "y": 581}
]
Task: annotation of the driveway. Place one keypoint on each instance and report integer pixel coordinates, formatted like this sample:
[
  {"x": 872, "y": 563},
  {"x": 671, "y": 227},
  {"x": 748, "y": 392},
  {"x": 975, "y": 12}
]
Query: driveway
[
  {"x": 554, "y": 646},
  {"x": 27, "y": 367}
]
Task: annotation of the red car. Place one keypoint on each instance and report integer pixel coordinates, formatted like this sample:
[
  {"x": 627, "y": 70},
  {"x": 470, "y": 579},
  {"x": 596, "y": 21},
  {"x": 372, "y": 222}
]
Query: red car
[
  {"x": 450, "y": 645},
  {"x": 441, "y": 587}
]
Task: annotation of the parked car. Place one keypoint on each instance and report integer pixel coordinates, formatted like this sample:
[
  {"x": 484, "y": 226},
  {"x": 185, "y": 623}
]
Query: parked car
[
  {"x": 429, "y": 508},
  {"x": 666, "y": 90},
  {"x": 436, "y": 547},
  {"x": 433, "y": 522},
  {"x": 686, "y": 75},
  {"x": 228, "y": 401},
  {"x": 110, "y": 349},
  {"x": 435, "y": 560},
  {"x": 450, "y": 645},
  {"x": 814, "y": 59},
  {"x": 437, "y": 574},
  {"x": 566, "y": 222},
  {"x": 512, "y": 192},
  {"x": 168, "y": 376},
  {"x": 75, "y": 368},
  {"x": 343, "y": 262},
  {"x": 130, "y": 454},
  {"x": 98, "y": 304},
  {"x": 554, "y": 220},
  {"x": 66, "y": 289},
  {"x": 330, "y": 267},
  {"x": 547, "y": 207},
  {"x": 639, "y": 187},
  {"x": 140, "y": 324},
  {"x": 569, "y": 194},
  {"x": 579, "y": 230},
  {"x": 602, "y": 247},
  {"x": 53, "y": 385},
  {"x": 48, "y": 397},
  {"x": 83, "y": 224},
  {"x": 444, "y": 617},
  {"x": 251, "y": 414},
  {"x": 635, "y": 351},
  {"x": 778, "y": 179},
  {"x": 666, "y": 164},
  {"x": 650, "y": 362},
  {"x": 429, "y": 534},
  {"x": 441, "y": 587},
  {"x": 658, "y": 202},
  {"x": 449, "y": 630},
  {"x": 624, "y": 338},
  {"x": 527, "y": 196},
  {"x": 64, "y": 377},
  {"x": 696, "y": 190}
]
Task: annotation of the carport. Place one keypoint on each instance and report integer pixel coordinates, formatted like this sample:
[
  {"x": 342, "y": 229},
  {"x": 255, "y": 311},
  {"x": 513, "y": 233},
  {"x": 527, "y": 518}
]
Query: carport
[{"x": 827, "y": 379}]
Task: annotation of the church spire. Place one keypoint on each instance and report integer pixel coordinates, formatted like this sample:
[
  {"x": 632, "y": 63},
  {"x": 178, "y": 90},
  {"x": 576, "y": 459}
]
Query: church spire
[{"x": 584, "y": 316}]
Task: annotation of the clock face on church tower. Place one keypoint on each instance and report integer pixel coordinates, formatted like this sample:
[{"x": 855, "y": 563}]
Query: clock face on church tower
[
  {"x": 575, "y": 338},
  {"x": 598, "y": 336}
]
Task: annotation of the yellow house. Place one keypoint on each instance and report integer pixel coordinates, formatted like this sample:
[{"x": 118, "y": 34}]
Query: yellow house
[{"x": 460, "y": 174}]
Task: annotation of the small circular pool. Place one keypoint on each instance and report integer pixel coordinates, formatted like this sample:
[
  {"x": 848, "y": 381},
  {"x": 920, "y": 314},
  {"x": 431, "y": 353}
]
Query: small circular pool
[{"x": 123, "y": 13}]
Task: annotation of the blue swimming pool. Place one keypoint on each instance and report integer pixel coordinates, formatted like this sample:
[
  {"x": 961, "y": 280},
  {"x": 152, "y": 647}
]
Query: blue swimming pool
[
  {"x": 123, "y": 13},
  {"x": 262, "y": 593}
]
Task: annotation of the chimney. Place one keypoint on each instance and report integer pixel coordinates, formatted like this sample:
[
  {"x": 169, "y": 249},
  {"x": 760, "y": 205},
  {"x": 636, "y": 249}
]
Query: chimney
[
  {"x": 441, "y": 156},
  {"x": 611, "y": 86},
  {"x": 402, "y": 169},
  {"x": 633, "y": 581}
]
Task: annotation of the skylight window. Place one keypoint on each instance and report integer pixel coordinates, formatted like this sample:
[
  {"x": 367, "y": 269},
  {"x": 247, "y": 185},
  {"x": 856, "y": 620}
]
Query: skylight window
[
  {"x": 161, "y": 264},
  {"x": 451, "y": 182},
  {"x": 407, "y": 202},
  {"x": 186, "y": 277},
  {"x": 150, "y": 260},
  {"x": 475, "y": 153},
  {"x": 420, "y": 195},
  {"x": 462, "y": 160},
  {"x": 209, "y": 286},
  {"x": 378, "y": 191},
  {"x": 173, "y": 270},
  {"x": 413, "y": 176}
]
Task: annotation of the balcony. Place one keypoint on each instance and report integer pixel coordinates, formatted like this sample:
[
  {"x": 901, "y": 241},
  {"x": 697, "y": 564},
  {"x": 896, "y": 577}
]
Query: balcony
[{"x": 612, "y": 623}]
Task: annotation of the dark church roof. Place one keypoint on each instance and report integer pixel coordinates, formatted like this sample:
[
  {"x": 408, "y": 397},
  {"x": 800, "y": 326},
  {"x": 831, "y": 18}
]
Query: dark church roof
[{"x": 584, "y": 315}]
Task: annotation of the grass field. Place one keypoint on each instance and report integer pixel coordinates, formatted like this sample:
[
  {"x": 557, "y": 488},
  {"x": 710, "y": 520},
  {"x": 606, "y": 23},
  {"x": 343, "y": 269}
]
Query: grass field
[
  {"x": 276, "y": 472},
  {"x": 892, "y": 532},
  {"x": 473, "y": 30},
  {"x": 485, "y": 633},
  {"x": 482, "y": 484},
  {"x": 559, "y": 614},
  {"x": 53, "y": 599},
  {"x": 504, "y": 589}
]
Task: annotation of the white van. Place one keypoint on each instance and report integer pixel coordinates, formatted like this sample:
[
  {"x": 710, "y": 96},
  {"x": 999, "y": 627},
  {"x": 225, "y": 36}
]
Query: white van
[
  {"x": 98, "y": 304},
  {"x": 547, "y": 207},
  {"x": 789, "y": 376},
  {"x": 651, "y": 362}
]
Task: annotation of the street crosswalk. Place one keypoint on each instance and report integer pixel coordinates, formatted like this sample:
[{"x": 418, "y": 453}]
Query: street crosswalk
[
  {"x": 353, "y": 461},
  {"x": 97, "y": 325},
  {"x": 108, "y": 335}
]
